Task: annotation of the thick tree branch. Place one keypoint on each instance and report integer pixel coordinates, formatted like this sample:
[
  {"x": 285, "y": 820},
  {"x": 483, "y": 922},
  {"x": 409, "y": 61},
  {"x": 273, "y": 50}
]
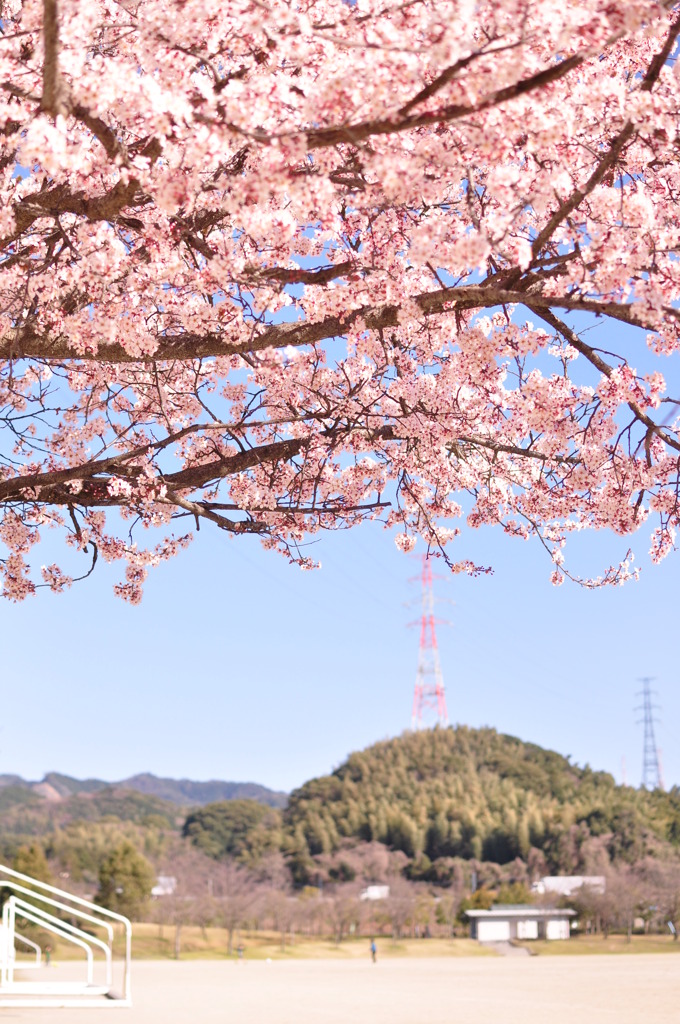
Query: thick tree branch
[
  {"x": 203, "y": 510},
  {"x": 318, "y": 138},
  {"x": 579, "y": 194},
  {"x": 115, "y": 149},
  {"x": 26, "y": 343},
  {"x": 57, "y": 98},
  {"x": 298, "y": 275},
  {"x": 442, "y": 80},
  {"x": 55, "y": 92},
  {"x": 352, "y": 134},
  {"x": 56, "y": 201},
  {"x": 93, "y": 478},
  {"x": 54, "y": 487}
]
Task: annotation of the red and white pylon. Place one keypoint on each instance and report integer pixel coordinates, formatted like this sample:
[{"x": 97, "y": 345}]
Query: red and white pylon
[{"x": 429, "y": 695}]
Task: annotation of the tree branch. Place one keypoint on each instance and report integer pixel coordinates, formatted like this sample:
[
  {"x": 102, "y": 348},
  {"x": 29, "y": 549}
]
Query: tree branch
[
  {"x": 53, "y": 488},
  {"x": 26, "y": 343},
  {"x": 55, "y": 93},
  {"x": 615, "y": 148},
  {"x": 299, "y": 275},
  {"x": 352, "y": 134},
  {"x": 596, "y": 359},
  {"x": 512, "y": 449}
]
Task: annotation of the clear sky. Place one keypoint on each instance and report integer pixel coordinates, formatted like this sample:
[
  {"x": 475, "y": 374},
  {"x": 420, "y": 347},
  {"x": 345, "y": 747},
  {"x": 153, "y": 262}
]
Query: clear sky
[
  {"x": 239, "y": 666},
  {"x": 242, "y": 667}
]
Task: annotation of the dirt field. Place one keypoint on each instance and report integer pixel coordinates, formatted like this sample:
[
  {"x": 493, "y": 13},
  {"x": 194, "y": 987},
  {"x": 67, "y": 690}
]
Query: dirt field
[{"x": 561, "y": 990}]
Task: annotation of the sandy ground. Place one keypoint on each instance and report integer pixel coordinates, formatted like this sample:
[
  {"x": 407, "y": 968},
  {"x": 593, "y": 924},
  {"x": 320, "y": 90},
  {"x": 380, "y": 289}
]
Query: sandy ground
[{"x": 560, "y": 990}]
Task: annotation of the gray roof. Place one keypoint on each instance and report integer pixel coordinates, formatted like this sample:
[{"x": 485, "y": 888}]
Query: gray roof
[{"x": 519, "y": 910}]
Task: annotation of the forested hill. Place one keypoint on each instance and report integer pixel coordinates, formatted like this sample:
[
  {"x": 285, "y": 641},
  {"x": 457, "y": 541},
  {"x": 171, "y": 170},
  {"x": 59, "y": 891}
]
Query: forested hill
[
  {"x": 426, "y": 801},
  {"x": 479, "y": 794},
  {"x": 186, "y": 792}
]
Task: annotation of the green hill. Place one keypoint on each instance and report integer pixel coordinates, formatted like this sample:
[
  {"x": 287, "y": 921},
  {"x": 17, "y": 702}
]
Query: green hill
[
  {"x": 25, "y": 814},
  {"x": 434, "y": 798},
  {"x": 475, "y": 793}
]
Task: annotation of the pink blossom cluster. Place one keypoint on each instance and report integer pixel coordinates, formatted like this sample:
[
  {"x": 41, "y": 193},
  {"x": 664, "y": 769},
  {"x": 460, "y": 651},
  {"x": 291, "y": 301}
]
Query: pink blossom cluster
[{"x": 283, "y": 267}]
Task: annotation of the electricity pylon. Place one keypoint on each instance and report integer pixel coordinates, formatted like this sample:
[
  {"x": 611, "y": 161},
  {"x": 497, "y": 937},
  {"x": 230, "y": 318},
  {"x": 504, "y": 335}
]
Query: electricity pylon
[
  {"x": 429, "y": 695},
  {"x": 651, "y": 764}
]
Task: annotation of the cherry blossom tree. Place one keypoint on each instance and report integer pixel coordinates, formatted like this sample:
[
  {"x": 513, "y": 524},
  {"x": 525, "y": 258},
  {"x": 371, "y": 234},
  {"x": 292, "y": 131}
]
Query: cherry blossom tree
[{"x": 286, "y": 266}]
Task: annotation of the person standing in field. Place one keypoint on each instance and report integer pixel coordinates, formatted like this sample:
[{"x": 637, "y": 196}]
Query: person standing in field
[{"x": 374, "y": 950}]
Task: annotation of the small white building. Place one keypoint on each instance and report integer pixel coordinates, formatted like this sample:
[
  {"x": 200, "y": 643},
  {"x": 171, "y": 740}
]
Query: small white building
[
  {"x": 567, "y": 885},
  {"x": 375, "y": 892},
  {"x": 504, "y": 923},
  {"x": 165, "y": 886}
]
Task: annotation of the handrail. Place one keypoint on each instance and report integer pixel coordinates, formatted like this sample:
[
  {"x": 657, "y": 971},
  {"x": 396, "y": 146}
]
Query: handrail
[
  {"x": 64, "y": 935},
  {"x": 33, "y": 945},
  {"x": 65, "y": 895},
  {"x": 80, "y": 902},
  {"x": 67, "y": 926},
  {"x": 61, "y": 906}
]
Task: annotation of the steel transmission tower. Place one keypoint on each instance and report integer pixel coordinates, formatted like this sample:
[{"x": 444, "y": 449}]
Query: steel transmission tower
[
  {"x": 429, "y": 693},
  {"x": 651, "y": 763}
]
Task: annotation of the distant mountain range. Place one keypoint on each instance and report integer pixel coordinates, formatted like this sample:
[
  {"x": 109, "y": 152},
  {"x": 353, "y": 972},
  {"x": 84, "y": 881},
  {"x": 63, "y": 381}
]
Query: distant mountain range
[{"x": 185, "y": 792}]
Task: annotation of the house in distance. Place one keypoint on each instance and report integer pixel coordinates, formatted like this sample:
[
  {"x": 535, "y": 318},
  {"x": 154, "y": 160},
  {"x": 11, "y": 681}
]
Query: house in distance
[
  {"x": 504, "y": 922},
  {"x": 567, "y": 885}
]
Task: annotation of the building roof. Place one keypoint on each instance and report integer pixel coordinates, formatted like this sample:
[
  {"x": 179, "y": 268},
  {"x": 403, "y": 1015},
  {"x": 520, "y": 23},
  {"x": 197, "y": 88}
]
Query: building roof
[
  {"x": 519, "y": 910},
  {"x": 565, "y": 885}
]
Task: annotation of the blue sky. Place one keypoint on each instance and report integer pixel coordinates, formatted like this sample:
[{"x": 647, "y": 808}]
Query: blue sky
[{"x": 239, "y": 666}]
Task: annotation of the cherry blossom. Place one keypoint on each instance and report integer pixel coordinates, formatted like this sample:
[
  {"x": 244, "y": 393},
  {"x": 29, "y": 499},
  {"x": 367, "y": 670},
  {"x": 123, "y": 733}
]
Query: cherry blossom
[{"x": 281, "y": 267}]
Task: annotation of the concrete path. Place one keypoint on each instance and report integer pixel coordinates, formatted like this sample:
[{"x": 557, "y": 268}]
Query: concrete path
[{"x": 507, "y": 949}]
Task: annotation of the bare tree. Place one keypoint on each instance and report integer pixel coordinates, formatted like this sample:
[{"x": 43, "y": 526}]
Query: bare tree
[
  {"x": 282, "y": 910},
  {"x": 536, "y": 864},
  {"x": 311, "y": 911},
  {"x": 343, "y": 910},
  {"x": 400, "y": 906},
  {"x": 236, "y": 892},
  {"x": 188, "y": 871},
  {"x": 671, "y": 896},
  {"x": 626, "y": 895},
  {"x": 663, "y": 887}
]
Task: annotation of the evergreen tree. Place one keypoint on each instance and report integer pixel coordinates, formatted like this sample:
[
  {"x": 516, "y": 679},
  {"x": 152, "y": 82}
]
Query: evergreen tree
[{"x": 125, "y": 881}]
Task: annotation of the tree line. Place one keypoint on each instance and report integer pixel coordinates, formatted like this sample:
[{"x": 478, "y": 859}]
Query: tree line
[{"x": 444, "y": 817}]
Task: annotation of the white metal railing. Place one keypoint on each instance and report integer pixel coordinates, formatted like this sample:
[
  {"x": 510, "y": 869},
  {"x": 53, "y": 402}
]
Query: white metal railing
[
  {"x": 33, "y": 945},
  {"x": 16, "y": 906},
  {"x": 48, "y": 925},
  {"x": 40, "y": 910}
]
